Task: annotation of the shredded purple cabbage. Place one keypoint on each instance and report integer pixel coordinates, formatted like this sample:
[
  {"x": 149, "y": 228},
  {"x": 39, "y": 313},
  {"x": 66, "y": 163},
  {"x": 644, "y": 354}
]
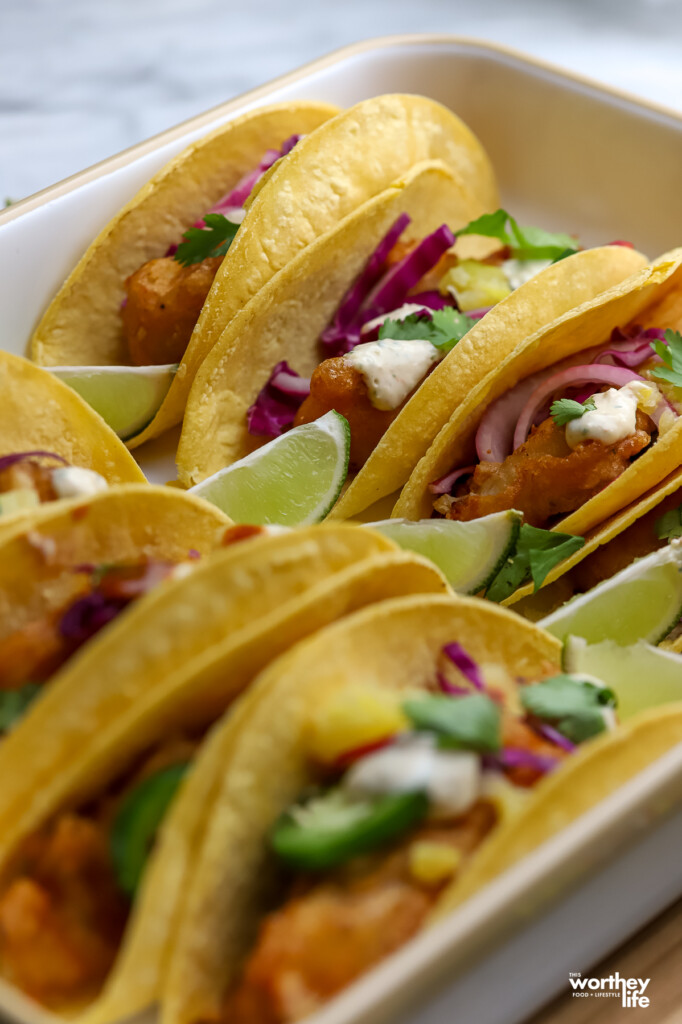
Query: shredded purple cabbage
[
  {"x": 465, "y": 663},
  {"x": 10, "y": 460},
  {"x": 451, "y": 688},
  {"x": 88, "y": 615},
  {"x": 554, "y": 736},
  {"x": 378, "y": 291},
  {"x": 235, "y": 199},
  {"x": 275, "y": 409},
  {"x": 391, "y": 291},
  {"x": 344, "y": 333},
  {"x": 517, "y": 757},
  {"x": 193, "y": 554}
]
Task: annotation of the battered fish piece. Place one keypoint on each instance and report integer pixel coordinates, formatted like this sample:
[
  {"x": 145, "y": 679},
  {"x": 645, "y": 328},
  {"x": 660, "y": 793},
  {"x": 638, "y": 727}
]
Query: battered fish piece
[
  {"x": 336, "y": 384},
  {"x": 163, "y": 303},
  {"x": 62, "y": 918},
  {"x": 544, "y": 478},
  {"x": 28, "y": 475},
  {"x": 324, "y": 938}
]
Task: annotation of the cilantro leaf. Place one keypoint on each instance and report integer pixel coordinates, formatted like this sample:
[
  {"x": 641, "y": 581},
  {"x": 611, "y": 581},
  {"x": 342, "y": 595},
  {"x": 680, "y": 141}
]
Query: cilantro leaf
[
  {"x": 669, "y": 525},
  {"x": 537, "y": 552},
  {"x": 13, "y": 704},
  {"x": 574, "y": 705},
  {"x": 442, "y": 327},
  {"x": 566, "y": 409},
  {"x": 213, "y": 240},
  {"x": 469, "y": 723},
  {"x": 670, "y": 352},
  {"x": 526, "y": 243}
]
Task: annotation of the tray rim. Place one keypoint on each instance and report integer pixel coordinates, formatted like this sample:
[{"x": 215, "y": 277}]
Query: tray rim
[{"x": 259, "y": 95}]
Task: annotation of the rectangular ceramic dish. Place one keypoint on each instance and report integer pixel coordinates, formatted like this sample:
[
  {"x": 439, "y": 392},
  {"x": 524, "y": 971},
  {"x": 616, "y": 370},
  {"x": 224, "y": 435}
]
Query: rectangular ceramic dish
[{"x": 566, "y": 152}]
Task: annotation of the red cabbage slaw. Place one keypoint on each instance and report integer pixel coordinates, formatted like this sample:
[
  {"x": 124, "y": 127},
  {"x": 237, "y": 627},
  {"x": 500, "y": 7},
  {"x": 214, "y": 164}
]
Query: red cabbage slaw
[
  {"x": 278, "y": 401},
  {"x": 509, "y": 757},
  {"x": 375, "y": 292},
  {"x": 233, "y": 201},
  {"x": 379, "y": 290}
]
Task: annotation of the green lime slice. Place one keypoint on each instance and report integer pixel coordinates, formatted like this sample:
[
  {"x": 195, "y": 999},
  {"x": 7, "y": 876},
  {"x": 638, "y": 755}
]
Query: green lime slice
[
  {"x": 291, "y": 481},
  {"x": 640, "y": 675},
  {"x": 468, "y": 554},
  {"x": 126, "y": 397},
  {"x": 641, "y": 602}
]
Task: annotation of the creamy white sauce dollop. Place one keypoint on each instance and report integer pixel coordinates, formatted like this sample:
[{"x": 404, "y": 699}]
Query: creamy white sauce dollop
[
  {"x": 518, "y": 272},
  {"x": 392, "y": 368},
  {"x": 450, "y": 779},
  {"x": 615, "y": 415},
  {"x": 77, "y": 482}
]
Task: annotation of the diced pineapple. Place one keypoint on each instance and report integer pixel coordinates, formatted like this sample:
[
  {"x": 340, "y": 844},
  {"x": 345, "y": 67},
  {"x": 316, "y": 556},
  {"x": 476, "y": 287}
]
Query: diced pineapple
[
  {"x": 354, "y": 717},
  {"x": 432, "y": 863},
  {"x": 507, "y": 799},
  {"x": 475, "y": 285}
]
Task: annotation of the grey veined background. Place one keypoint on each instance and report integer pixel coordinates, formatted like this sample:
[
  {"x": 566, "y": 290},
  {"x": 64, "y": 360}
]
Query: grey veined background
[{"x": 82, "y": 79}]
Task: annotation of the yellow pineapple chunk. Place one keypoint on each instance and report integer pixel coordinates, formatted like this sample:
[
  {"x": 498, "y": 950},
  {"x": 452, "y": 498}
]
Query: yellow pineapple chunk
[
  {"x": 475, "y": 285},
  {"x": 354, "y": 717},
  {"x": 432, "y": 863}
]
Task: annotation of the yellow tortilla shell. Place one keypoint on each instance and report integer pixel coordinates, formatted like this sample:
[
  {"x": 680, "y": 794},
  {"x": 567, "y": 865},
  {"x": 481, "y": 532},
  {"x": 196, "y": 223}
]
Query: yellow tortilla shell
[
  {"x": 654, "y": 295},
  {"x": 37, "y": 411},
  {"x": 123, "y": 524},
  {"x": 547, "y": 296},
  {"x": 332, "y": 172},
  {"x": 584, "y": 780},
  {"x": 82, "y": 326},
  {"x": 235, "y": 614},
  {"x": 263, "y": 766},
  {"x": 285, "y": 319},
  {"x": 136, "y": 979}
]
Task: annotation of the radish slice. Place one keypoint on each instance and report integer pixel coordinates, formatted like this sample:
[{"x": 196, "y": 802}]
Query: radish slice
[{"x": 616, "y": 376}]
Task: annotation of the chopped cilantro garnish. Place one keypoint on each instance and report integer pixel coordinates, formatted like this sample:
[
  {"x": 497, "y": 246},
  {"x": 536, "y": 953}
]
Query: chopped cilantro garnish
[
  {"x": 526, "y": 243},
  {"x": 669, "y": 525},
  {"x": 201, "y": 243},
  {"x": 572, "y": 704},
  {"x": 566, "y": 409},
  {"x": 442, "y": 327},
  {"x": 670, "y": 352},
  {"x": 13, "y": 704},
  {"x": 537, "y": 552},
  {"x": 469, "y": 723}
]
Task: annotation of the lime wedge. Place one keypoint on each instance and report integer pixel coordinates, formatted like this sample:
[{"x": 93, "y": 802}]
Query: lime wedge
[
  {"x": 126, "y": 397},
  {"x": 642, "y": 602},
  {"x": 468, "y": 554},
  {"x": 641, "y": 676},
  {"x": 291, "y": 481}
]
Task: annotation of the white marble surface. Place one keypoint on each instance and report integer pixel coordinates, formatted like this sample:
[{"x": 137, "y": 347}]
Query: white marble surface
[{"x": 81, "y": 79}]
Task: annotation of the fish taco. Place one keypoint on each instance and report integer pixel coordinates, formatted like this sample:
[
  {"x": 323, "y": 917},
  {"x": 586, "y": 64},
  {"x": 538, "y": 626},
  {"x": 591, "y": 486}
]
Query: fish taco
[
  {"x": 330, "y": 173},
  {"x": 577, "y": 423},
  {"x": 361, "y": 783},
  {"x": 84, "y": 922},
  {"x": 127, "y": 301},
  {"x": 390, "y": 323},
  {"x": 52, "y": 444}
]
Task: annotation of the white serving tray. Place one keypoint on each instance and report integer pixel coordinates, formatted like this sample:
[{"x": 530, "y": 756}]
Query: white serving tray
[{"x": 570, "y": 155}]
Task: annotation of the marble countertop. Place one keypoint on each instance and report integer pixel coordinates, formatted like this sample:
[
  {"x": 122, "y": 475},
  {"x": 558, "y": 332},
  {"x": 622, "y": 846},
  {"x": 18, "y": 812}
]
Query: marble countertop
[{"x": 80, "y": 80}]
